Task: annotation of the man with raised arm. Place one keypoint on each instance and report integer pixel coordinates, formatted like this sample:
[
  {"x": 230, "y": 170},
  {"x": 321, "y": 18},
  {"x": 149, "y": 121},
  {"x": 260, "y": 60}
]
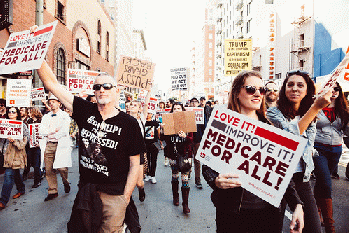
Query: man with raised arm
[{"x": 110, "y": 144}]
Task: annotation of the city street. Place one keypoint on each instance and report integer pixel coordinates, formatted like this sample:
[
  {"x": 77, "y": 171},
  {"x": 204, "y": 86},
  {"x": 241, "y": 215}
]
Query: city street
[{"x": 157, "y": 214}]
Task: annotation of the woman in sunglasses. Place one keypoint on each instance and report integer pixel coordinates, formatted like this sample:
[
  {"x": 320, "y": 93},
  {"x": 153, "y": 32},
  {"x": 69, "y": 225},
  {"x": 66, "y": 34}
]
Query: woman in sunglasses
[
  {"x": 179, "y": 145},
  {"x": 15, "y": 158},
  {"x": 330, "y": 126},
  {"x": 296, "y": 112},
  {"x": 238, "y": 210}
]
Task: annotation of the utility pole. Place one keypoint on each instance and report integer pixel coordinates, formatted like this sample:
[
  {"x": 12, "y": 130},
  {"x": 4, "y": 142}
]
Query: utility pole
[{"x": 39, "y": 20}]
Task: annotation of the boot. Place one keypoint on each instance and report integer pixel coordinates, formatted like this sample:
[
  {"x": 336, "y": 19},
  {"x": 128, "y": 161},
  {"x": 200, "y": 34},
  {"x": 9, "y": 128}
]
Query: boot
[
  {"x": 320, "y": 215},
  {"x": 327, "y": 213},
  {"x": 175, "y": 193},
  {"x": 185, "y": 196}
]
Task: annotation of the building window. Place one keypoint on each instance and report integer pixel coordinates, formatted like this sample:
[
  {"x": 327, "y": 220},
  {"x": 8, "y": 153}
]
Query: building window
[
  {"x": 210, "y": 53},
  {"x": 60, "y": 12},
  {"x": 278, "y": 76},
  {"x": 210, "y": 62},
  {"x": 210, "y": 72},
  {"x": 210, "y": 36},
  {"x": 82, "y": 66},
  {"x": 301, "y": 40},
  {"x": 99, "y": 33},
  {"x": 248, "y": 26},
  {"x": 301, "y": 64},
  {"x": 107, "y": 47},
  {"x": 60, "y": 66},
  {"x": 248, "y": 8}
]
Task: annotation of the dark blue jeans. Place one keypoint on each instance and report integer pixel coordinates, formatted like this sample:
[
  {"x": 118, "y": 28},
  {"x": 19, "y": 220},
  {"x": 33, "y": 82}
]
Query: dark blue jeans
[
  {"x": 34, "y": 160},
  {"x": 325, "y": 164},
  {"x": 11, "y": 177}
]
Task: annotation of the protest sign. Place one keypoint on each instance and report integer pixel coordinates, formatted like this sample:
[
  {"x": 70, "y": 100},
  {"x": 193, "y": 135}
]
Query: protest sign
[
  {"x": 18, "y": 92},
  {"x": 158, "y": 115},
  {"x": 152, "y": 105},
  {"x": 11, "y": 129},
  {"x": 238, "y": 56},
  {"x": 26, "y": 51},
  {"x": 265, "y": 157},
  {"x": 38, "y": 94},
  {"x": 174, "y": 122},
  {"x": 199, "y": 114},
  {"x": 81, "y": 80},
  {"x": 179, "y": 78},
  {"x": 133, "y": 72},
  {"x": 34, "y": 134}
]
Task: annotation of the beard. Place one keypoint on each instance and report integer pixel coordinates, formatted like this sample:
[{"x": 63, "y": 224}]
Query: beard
[
  {"x": 104, "y": 101},
  {"x": 271, "y": 98}
]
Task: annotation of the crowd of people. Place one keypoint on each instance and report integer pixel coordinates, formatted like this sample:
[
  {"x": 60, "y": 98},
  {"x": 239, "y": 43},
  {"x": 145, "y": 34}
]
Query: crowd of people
[{"x": 118, "y": 151}]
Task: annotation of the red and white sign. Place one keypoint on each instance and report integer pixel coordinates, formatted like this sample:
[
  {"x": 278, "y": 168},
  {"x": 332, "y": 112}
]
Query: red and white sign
[
  {"x": 265, "y": 157},
  {"x": 26, "y": 51},
  {"x": 81, "y": 80},
  {"x": 18, "y": 92},
  {"x": 34, "y": 134},
  {"x": 11, "y": 129},
  {"x": 199, "y": 114},
  {"x": 38, "y": 94}
]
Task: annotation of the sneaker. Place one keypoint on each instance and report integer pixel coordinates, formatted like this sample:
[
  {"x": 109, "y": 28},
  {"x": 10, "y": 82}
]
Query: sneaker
[
  {"x": 153, "y": 180},
  {"x": 199, "y": 185},
  {"x": 166, "y": 162},
  {"x": 147, "y": 178},
  {"x": 36, "y": 185}
]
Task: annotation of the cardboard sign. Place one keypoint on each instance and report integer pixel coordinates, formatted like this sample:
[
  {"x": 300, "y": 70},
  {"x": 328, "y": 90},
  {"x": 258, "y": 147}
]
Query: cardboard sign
[
  {"x": 18, "y": 92},
  {"x": 238, "y": 56},
  {"x": 133, "y": 72},
  {"x": 179, "y": 78},
  {"x": 265, "y": 157},
  {"x": 81, "y": 80},
  {"x": 26, "y": 51},
  {"x": 38, "y": 94},
  {"x": 199, "y": 114},
  {"x": 11, "y": 129},
  {"x": 174, "y": 122},
  {"x": 34, "y": 134}
]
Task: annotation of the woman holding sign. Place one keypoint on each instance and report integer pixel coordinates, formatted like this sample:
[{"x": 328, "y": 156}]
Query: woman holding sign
[
  {"x": 330, "y": 127},
  {"x": 179, "y": 151},
  {"x": 15, "y": 158},
  {"x": 295, "y": 112},
  {"x": 238, "y": 210}
]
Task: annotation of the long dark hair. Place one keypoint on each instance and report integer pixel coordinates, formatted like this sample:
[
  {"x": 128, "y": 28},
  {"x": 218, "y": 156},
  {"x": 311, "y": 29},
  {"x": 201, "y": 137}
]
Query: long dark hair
[
  {"x": 341, "y": 107},
  {"x": 286, "y": 106},
  {"x": 238, "y": 83},
  {"x": 17, "y": 110},
  {"x": 177, "y": 103}
]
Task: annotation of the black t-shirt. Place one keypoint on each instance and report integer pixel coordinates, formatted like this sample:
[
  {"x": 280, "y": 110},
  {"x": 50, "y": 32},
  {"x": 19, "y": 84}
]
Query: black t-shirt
[
  {"x": 151, "y": 131},
  {"x": 105, "y": 146}
]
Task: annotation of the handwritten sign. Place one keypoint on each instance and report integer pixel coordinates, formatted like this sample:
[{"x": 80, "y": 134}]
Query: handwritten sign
[
  {"x": 18, "y": 92},
  {"x": 265, "y": 157},
  {"x": 179, "y": 78},
  {"x": 11, "y": 128},
  {"x": 174, "y": 122},
  {"x": 26, "y": 51},
  {"x": 81, "y": 80},
  {"x": 38, "y": 94},
  {"x": 238, "y": 56},
  {"x": 133, "y": 72},
  {"x": 34, "y": 134},
  {"x": 199, "y": 114}
]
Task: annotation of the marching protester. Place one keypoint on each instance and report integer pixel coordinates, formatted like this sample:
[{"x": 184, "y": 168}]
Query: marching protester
[
  {"x": 162, "y": 107},
  {"x": 24, "y": 114},
  {"x": 296, "y": 113},
  {"x": 34, "y": 153},
  {"x": 110, "y": 145},
  {"x": 272, "y": 94},
  {"x": 15, "y": 158},
  {"x": 25, "y": 117},
  {"x": 238, "y": 210},
  {"x": 330, "y": 126},
  {"x": 57, "y": 153},
  {"x": 179, "y": 148},
  {"x": 135, "y": 111}
]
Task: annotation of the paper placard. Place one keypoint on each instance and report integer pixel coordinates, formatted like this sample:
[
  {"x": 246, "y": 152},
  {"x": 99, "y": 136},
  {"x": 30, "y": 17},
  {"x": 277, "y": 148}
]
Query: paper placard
[
  {"x": 174, "y": 122},
  {"x": 179, "y": 78},
  {"x": 26, "y": 51},
  {"x": 81, "y": 80},
  {"x": 11, "y": 129},
  {"x": 133, "y": 72},
  {"x": 34, "y": 134},
  {"x": 199, "y": 114},
  {"x": 38, "y": 94},
  {"x": 265, "y": 157},
  {"x": 18, "y": 92}
]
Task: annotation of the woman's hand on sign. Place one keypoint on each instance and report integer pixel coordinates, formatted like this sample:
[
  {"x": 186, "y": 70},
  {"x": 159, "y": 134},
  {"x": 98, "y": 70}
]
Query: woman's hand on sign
[
  {"x": 297, "y": 223},
  {"x": 182, "y": 134},
  {"x": 323, "y": 101},
  {"x": 33, "y": 28},
  {"x": 226, "y": 181}
]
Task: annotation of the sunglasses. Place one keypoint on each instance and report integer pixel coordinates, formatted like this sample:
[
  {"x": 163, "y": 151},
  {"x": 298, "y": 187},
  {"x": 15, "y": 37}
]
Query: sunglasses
[
  {"x": 2, "y": 105},
  {"x": 251, "y": 90},
  {"x": 106, "y": 86},
  {"x": 272, "y": 90},
  {"x": 336, "y": 89},
  {"x": 294, "y": 72},
  {"x": 13, "y": 112}
]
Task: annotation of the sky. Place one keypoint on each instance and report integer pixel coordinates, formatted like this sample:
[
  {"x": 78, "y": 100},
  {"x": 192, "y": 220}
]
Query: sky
[{"x": 170, "y": 29}]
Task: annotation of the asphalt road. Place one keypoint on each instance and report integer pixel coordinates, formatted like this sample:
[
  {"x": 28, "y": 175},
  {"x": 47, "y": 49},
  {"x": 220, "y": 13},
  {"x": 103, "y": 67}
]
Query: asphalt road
[{"x": 30, "y": 213}]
